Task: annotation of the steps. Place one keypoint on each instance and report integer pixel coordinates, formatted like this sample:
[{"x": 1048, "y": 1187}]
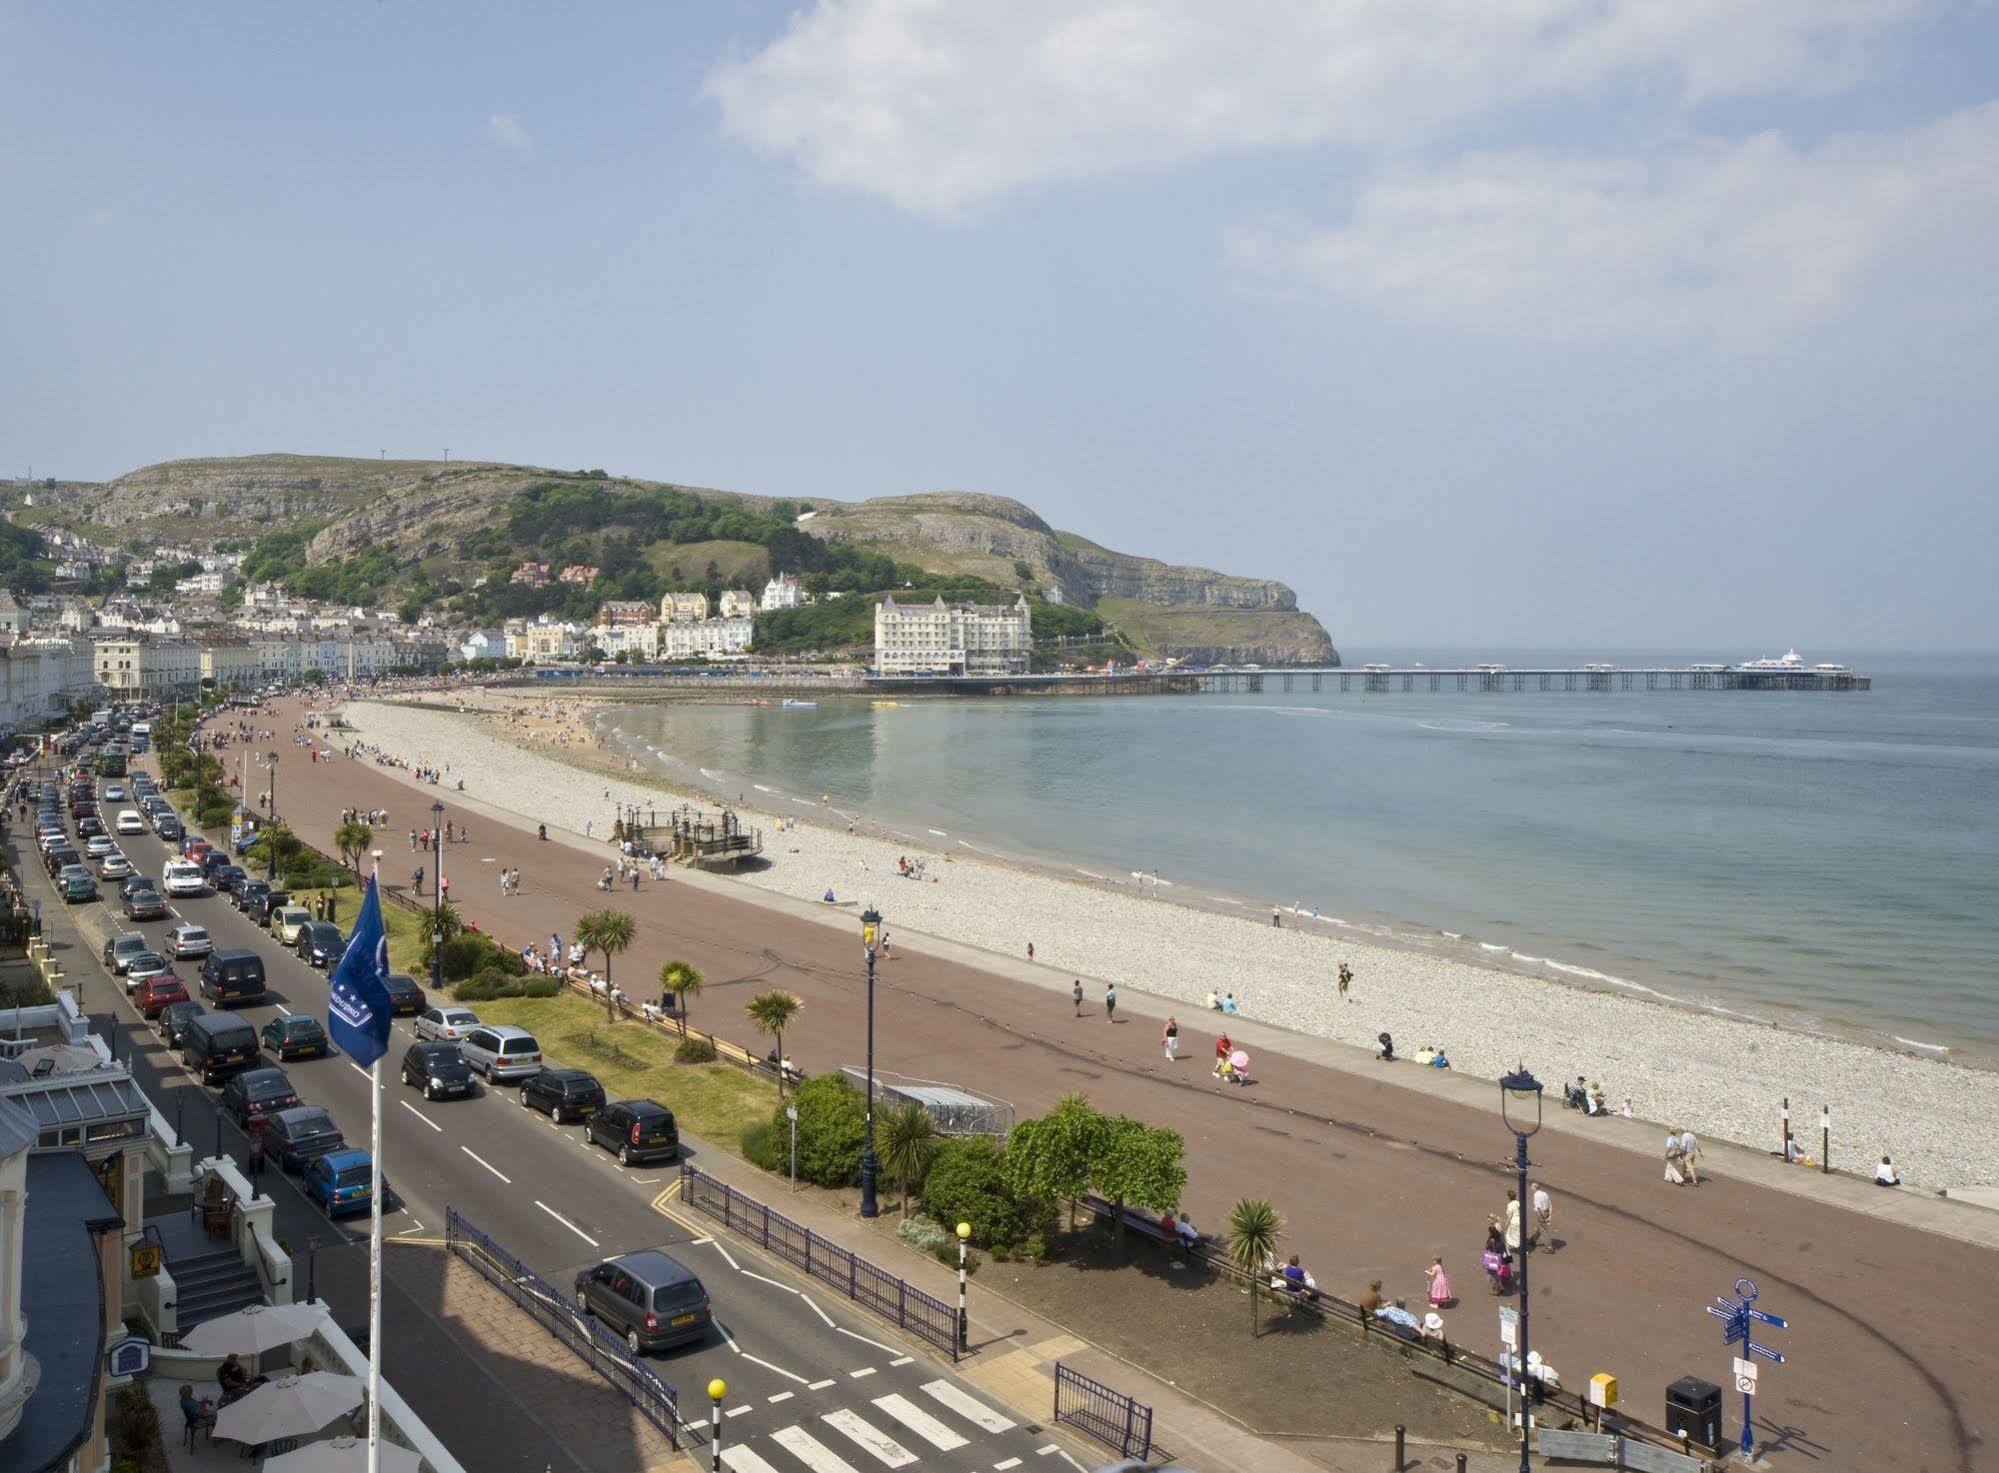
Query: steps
[{"x": 208, "y": 1285}]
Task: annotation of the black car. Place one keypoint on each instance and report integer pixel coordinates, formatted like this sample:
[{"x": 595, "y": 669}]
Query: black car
[
  {"x": 566, "y": 1094},
  {"x": 212, "y": 862},
  {"x": 257, "y": 1092},
  {"x": 296, "y": 1037},
  {"x": 299, "y": 1135},
  {"x": 259, "y": 907},
  {"x": 89, "y": 826},
  {"x": 635, "y": 1131},
  {"x": 144, "y": 905},
  {"x": 136, "y": 881},
  {"x": 169, "y": 829},
  {"x": 60, "y": 855},
  {"x": 174, "y": 1020},
  {"x": 438, "y": 1069},
  {"x": 405, "y": 997},
  {"x": 244, "y": 893},
  {"x": 320, "y": 943},
  {"x": 228, "y": 877}
]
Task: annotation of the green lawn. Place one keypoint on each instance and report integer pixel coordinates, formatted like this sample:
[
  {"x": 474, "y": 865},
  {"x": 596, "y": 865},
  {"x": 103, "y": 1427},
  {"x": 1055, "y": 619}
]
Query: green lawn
[
  {"x": 405, "y": 927},
  {"x": 716, "y": 1102}
]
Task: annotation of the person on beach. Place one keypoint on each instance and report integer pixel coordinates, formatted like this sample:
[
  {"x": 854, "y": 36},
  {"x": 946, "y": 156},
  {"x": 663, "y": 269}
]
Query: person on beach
[
  {"x": 1276, "y": 917},
  {"x": 1228, "y": 1002},
  {"x": 1346, "y": 982},
  {"x": 1110, "y": 1002},
  {"x": 1214, "y": 1001},
  {"x": 1172, "y": 1040},
  {"x": 1885, "y": 1174},
  {"x": 1543, "y": 1208},
  {"x": 1030, "y": 951},
  {"x": 1077, "y": 993},
  {"x": 1441, "y": 1294}
]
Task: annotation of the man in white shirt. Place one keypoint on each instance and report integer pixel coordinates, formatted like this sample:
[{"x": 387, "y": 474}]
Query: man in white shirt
[
  {"x": 1690, "y": 1150},
  {"x": 1885, "y": 1174},
  {"x": 1544, "y": 1219}
]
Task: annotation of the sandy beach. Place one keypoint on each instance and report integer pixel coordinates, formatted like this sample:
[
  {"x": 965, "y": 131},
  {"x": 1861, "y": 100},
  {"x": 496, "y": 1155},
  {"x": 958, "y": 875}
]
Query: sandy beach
[{"x": 1721, "y": 1076}]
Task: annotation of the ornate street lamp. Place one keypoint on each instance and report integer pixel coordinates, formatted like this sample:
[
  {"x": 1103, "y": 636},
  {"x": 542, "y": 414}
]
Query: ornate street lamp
[
  {"x": 1520, "y": 1109},
  {"x": 437, "y": 901},
  {"x": 871, "y": 923},
  {"x": 271, "y": 818}
]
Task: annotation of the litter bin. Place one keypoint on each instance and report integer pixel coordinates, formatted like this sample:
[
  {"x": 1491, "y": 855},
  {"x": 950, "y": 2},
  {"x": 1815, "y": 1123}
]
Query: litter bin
[{"x": 1693, "y": 1406}]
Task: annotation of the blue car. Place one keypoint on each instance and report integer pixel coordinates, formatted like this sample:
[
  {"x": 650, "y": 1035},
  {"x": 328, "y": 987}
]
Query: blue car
[{"x": 339, "y": 1182}]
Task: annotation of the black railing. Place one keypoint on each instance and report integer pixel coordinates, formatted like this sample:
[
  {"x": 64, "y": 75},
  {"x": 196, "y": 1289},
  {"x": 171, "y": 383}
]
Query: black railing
[
  {"x": 896, "y": 1300},
  {"x": 595, "y": 1346},
  {"x": 1112, "y": 1418}
]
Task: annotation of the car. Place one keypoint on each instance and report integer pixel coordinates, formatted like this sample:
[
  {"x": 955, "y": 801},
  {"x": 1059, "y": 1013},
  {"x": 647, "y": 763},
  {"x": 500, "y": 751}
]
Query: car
[
  {"x": 445, "y": 1022},
  {"x": 287, "y": 921},
  {"x": 114, "y": 793},
  {"x": 212, "y": 862},
  {"x": 146, "y": 964},
  {"x": 340, "y": 1181},
  {"x": 167, "y": 826},
  {"x": 99, "y": 845},
  {"x": 144, "y": 905},
  {"x": 129, "y": 822},
  {"x": 227, "y": 877},
  {"x": 135, "y": 881},
  {"x": 501, "y": 1053},
  {"x": 405, "y": 997},
  {"x": 650, "y": 1298},
  {"x": 60, "y": 857},
  {"x": 183, "y": 879},
  {"x": 114, "y": 866},
  {"x": 121, "y": 948},
  {"x": 194, "y": 850},
  {"x": 299, "y": 1036},
  {"x": 233, "y": 975},
  {"x": 89, "y": 827},
  {"x": 566, "y": 1094},
  {"x": 438, "y": 1069},
  {"x": 156, "y": 994},
  {"x": 75, "y": 884},
  {"x": 635, "y": 1131},
  {"x": 258, "y": 1092},
  {"x": 187, "y": 939},
  {"x": 262, "y": 907},
  {"x": 246, "y": 892},
  {"x": 174, "y": 1020},
  {"x": 319, "y": 944},
  {"x": 301, "y": 1135}
]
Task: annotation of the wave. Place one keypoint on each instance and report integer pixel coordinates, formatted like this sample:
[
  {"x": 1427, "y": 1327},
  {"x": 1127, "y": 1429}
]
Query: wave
[{"x": 1934, "y": 1048}]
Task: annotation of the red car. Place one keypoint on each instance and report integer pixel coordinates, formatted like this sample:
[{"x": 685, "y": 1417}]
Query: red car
[{"x": 156, "y": 994}]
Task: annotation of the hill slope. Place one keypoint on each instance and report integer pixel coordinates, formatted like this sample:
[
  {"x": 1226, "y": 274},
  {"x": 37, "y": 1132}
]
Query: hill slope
[{"x": 424, "y": 528}]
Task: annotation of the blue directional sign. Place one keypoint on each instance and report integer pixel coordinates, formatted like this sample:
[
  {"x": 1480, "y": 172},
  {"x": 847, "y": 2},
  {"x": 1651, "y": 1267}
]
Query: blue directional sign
[{"x": 1740, "y": 1319}]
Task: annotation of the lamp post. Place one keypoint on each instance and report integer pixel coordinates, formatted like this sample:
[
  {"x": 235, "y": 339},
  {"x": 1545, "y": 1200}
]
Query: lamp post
[
  {"x": 437, "y": 901},
  {"x": 1520, "y": 1109},
  {"x": 717, "y": 1389},
  {"x": 964, "y": 1320},
  {"x": 871, "y": 922},
  {"x": 271, "y": 818}
]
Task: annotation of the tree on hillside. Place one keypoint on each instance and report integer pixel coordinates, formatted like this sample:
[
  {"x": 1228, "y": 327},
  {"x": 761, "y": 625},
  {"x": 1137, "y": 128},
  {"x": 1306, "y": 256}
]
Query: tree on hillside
[
  {"x": 609, "y": 932},
  {"x": 771, "y": 1012},
  {"x": 1254, "y": 1230},
  {"x": 682, "y": 979}
]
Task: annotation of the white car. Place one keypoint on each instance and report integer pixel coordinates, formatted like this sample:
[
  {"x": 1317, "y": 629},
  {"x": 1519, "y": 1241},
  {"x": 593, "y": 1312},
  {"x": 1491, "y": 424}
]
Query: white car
[
  {"x": 188, "y": 939},
  {"x": 446, "y": 1022},
  {"x": 182, "y": 878},
  {"x": 129, "y": 822}
]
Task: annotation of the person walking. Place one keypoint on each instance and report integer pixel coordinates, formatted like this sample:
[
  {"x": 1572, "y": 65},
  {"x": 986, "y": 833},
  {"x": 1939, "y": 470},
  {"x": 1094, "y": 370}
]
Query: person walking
[
  {"x": 1543, "y": 1231},
  {"x": 1441, "y": 1293},
  {"x": 256, "y": 1162},
  {"x": 1110, "y": 1002},
  {"x": 1276, "y": 917},
  {"x": 1512, "y": 1222},
  {"x": 1030, "y": 951},
  {"x": 1172, "y": 1040},
  {"x": 1077, "y": 993},
  {"x": 1346, "y": 981},
  {"x": 1690, "y": 1150}
]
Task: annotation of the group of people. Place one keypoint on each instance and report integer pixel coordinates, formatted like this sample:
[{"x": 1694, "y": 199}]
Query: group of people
[
  {"x": 373, "y": 817},
  {"x": 1588, "y": 1097},
  {"x": 1514, "y": 1231},
  {"x": 1223, "y": 1003}
]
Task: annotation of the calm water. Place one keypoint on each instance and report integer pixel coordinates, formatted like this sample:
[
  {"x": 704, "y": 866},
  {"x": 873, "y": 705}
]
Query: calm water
[{"x": 1831, "y": 858}]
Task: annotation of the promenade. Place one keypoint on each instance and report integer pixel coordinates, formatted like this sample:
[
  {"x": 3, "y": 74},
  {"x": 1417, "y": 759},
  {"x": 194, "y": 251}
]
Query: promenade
[{"x": 1375, "y": 1168}]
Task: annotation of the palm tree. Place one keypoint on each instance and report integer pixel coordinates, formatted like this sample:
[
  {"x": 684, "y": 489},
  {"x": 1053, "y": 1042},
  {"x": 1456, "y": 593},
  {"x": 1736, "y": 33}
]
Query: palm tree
[
  {"x": 684, "y": 979},
  {"x": 908, "y": 1140},
  {"x": 608, "y": 931},
  {"x": 353, "y": 839},
  {"x": 1254, "y": 1231},
  {"x": 771, "y": 1012}
]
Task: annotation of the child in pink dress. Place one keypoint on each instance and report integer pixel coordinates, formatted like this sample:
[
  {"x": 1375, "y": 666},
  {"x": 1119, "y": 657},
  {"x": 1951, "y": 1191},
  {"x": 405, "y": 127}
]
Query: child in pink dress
[{"x": 1440, "y": 1283}]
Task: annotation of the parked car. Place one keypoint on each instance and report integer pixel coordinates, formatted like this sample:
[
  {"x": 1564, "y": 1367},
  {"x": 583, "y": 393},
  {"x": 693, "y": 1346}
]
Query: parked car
[
  {"x": 438, "y": 1069},
  {"x": 300, "y": 1135},
  {"x": 319, "y": 944},
  {"x": 144, "y": 905},
  {"x": 60, "y": 856},
  {"x": 300, "y": 1036},
  {"x": 129, "y": 822},
  {"x": 174, "y": 1020},
  {"x": 340, "y": 1181},
  {"x": 188, "y": 939},
  {"x": 405, "y": 997},
  {"x": 75, "y": 884},
  {"x": 168, "y": 827},
  {"x": 121, "y": 948},
  {"x": 227, "y": 878},
  {"x": 156, "y": 994},
  {"x": 217, "y": 1045},
  {"x": 287, "y": 921},
  {"x": 501, "y": 1053},
  {"x": 258, "y": 1092},
  {"x": 445, "y": 1021},
  {"x": 142, "y": 966},
  {"x": 635, "y": 1131},
  {"x": 246, "y": 891},
  {"x": 566, "y": 1094},
  {"x": 261, "y": 907},
  {"x": 232, "y": 976},
  {"x": 650, "y": 1298}
]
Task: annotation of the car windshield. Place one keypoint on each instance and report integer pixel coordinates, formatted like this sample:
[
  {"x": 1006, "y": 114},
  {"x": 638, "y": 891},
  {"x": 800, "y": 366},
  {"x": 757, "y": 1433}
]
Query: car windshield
[
  {"x": 317, "y": 1123},
  {"x": 351, "y": 1176},
  {"x": 670, "y": 1297},
  {"x": 301, "y": 1027}
]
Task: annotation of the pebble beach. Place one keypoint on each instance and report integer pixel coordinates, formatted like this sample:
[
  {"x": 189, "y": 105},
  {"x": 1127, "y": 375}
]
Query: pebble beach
[{"x": 1721, "y": 1076}]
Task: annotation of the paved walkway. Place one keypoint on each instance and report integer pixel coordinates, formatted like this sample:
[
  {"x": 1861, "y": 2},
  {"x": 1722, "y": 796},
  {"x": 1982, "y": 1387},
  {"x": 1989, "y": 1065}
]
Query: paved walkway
[{"x": 1375, "y": 1168}]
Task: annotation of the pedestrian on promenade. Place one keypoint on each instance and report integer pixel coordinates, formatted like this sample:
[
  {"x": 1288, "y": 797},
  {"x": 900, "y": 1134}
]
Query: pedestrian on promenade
[
  {"x": 1512, "y": 1220},
  {"x": 416, "y": 879},
  {"x": 1077, "y": 992},
  {"x": 1110, "y": 1002},
  {"x": 1441, "y": 1293},
  {"x": 1544, "y": 1219},
  {"x": 412, "y": 841},
  {"x": 1172, "y": 1040},
  {"x": 506, "y": 883},
  {"x": 635, "y": 879},
  {"x": 1690, "y": 1150}
]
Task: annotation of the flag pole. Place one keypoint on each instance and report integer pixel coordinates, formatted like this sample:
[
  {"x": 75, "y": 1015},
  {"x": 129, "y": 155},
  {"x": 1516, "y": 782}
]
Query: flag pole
[{"x": 375, "y": 1248}]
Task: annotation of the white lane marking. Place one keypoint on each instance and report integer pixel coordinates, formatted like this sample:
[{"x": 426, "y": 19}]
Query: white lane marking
[
  {"x": 724, "y": 1252},
  {"x": 1045, "y": 1451},
  {"x": 878, "y": 1445},
  {"x": 421, "y": 1116},
  {"x": 967, "y": 1406},
  {"x": 487, "y": 1164},
  {"x": 739, "y": 1459},
  {"x": 920, "y": 1422},
  {"x": 780, "y": 1370},
  {"x": 564, "y": 1221},
  {"x": 778, "y": 1396},
  {"x": 890, "y": 1349},
  {"x": 902, "y": 1360},
  {"x": 697, "y": 1242},
  {"x": 357, "y": 1068},
  {"x": 1072, "y": 1462},
  {"x": 772, "y": 1282},
  {"x": 408, "y": 1230},
  {"x": 282, "y": 1008},
  {"x": 820, "y": 1385},
  {"x": 810, "y": 1451},
  {"x": 731, "y": 1339},
  {"x": 1001, "y": 1467},
  {"x": 863, "y": 1371},
  {"x": 815, "y": 1308},
  {"x": 737, "y": 1411}
]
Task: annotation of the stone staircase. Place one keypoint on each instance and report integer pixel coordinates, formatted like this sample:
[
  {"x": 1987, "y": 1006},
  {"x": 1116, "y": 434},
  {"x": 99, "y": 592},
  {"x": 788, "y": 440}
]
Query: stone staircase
[{"x": 211, "y": 1284}]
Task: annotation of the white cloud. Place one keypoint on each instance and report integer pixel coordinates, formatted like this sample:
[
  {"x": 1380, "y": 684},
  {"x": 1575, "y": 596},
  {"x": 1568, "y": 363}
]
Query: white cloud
[
  {"x": 945, "y": 106},
  {"x": 506, "y": 130},
  {"x": 1734, "y": 242}
]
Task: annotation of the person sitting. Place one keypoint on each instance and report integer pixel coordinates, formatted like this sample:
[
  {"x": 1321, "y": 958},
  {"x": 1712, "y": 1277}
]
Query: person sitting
[
  {"x": 1424, "y": 1055},
  {"x": 1228, "y": 1002},
  {"x": 1296, "y": 1280},
  {"x": 1386, "y": 1051},
  {"x": 1596, "y": 1104},
  {"x": 232, "y": 1378},
  {"x": 1398, "y": 1315},
  {"x": 1885, "y": 1174},
  {"x": 1442, "y": 1061},
  {"x": 197, "y": 1412},
  {"x": 1576, "y": 1096},
  {"x": 1214, "y": 1002},
  {"x": 1373, "y": 1298},
  {"x": 1188, "y": 1234},
  {"x": 1433, "y": 1326},
  {"x": 828, "y": 897}
]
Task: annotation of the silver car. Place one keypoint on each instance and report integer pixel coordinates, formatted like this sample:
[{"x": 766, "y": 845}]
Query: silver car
[
  {"x": 188, "y": 939},
  {"x": 446, "y": 1022},
  {"x": 503, "y": 1054}
]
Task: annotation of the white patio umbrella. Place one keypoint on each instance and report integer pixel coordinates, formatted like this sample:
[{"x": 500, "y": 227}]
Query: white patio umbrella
[
  {"x": 342, "y": 1455},
  {"x": 253, "y": 1330},
  {"x": 291, "y": 1406}
]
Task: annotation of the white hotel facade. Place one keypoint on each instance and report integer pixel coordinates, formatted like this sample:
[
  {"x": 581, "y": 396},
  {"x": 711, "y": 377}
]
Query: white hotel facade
[{"x": 953, "y": 639}]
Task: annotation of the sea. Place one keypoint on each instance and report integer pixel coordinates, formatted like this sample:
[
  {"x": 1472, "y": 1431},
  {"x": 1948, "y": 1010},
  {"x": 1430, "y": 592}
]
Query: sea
[{"x": 1824, "y": 860}]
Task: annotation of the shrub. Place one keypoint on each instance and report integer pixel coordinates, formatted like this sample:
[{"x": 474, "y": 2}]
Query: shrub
[
  {"x": 694, "y": 1051},
  {"x": 540, "y": 987},
  {"x": 925, "y": 1232},
  {"x": 764, "y": 1145},
  {"x": 967, "y": 1183},
  {"x": 832, "y": 1119}
]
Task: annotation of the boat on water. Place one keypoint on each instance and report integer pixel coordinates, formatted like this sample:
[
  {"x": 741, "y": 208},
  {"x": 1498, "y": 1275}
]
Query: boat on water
[{"x": 790, "y": 704}]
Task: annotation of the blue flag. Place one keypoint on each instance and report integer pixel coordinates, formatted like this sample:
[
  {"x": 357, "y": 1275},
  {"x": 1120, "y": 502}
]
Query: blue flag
[{"x": 358, "y": 1012}]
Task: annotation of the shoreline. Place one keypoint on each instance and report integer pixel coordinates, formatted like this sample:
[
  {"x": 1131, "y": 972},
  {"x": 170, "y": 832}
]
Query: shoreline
[{"x": 1678, "y": 1062}]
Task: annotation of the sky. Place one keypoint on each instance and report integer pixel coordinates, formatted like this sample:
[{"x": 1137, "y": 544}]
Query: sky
[{"x": 1632, "y": 323}]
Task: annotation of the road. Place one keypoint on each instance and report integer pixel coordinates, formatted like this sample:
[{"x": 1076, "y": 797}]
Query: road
[
  {"x": 1891, "y": 1362},
  {"x": 812, "y": 1384}
]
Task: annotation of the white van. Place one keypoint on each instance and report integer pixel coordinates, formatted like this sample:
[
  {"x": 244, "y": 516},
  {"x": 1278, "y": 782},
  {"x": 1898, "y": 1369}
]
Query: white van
[
  {"x": 182, "y": 878},
  {"x": 142, "y": 729}
]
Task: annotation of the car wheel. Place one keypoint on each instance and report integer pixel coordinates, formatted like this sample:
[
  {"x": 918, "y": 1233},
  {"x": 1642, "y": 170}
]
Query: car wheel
[
  {"x": 624, "y": 1155},
  {"x": 555, "y": 1114},
  {"x": 632, "y": 1342}
]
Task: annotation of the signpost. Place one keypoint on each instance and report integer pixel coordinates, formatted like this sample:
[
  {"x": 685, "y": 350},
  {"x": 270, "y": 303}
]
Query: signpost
[
  {"x": 1509, "y": 1336},
  {"x": 1740, "y": 1320}
]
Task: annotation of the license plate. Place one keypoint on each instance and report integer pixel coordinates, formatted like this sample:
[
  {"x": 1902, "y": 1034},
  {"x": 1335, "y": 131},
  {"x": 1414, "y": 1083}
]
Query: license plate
[
  {"x": 685, "y": 1319},
  {"x": 586, "y": 1110}
]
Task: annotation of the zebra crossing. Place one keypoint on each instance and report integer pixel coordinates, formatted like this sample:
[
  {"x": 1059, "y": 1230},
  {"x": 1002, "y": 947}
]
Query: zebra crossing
[{"x": 890, "y": 1431}]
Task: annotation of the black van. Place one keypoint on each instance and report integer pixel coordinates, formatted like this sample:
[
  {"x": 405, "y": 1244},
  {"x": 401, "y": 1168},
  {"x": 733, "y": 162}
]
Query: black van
[
  {"x": 216, "y": 1046},
  {"x": 231, "y": 977}
]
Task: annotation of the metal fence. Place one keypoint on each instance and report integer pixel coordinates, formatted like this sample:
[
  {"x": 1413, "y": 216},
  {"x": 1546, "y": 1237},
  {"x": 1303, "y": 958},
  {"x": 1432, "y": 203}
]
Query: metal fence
[
  {"x": 1112, "y": 1418},
  {"x": 595, "y": 1346},
  {"x": 896, "y": 1300}
]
